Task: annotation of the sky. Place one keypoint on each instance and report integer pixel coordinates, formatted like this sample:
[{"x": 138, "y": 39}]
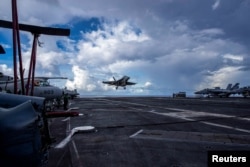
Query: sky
[{"x": 165, "y": 46}]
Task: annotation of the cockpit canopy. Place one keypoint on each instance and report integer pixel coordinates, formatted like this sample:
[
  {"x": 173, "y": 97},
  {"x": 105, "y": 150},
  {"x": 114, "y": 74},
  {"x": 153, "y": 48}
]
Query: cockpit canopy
[{"x": 41, "y": 83}]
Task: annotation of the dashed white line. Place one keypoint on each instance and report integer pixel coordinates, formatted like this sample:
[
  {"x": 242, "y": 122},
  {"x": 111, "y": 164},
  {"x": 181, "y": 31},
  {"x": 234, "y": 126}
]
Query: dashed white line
[
  {"x": 227, "y": 127},
  {"x": 189, "y": 113},
  {"x": 135, "y": 134},
  {"x": 75, "y": 149},
  {"x": 181, "y": 116},
  {"x": 77, "y": 154}
]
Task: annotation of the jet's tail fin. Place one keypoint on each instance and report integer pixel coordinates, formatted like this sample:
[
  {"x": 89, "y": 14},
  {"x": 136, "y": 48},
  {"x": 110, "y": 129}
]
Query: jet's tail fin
[
  {"x": 229, "y": 86},
  {"x": 236, "y": 86}
]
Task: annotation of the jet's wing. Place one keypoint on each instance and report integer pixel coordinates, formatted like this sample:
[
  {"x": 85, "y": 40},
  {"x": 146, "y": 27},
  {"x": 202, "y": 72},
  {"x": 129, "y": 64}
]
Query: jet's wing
[
  {"x": 130, "y": 83},
  {"x": 46, "y": 78},
  {"x": 109, "y": 82}
]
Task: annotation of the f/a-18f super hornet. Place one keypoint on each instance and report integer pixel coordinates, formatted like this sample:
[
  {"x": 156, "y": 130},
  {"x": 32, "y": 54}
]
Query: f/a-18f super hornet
[
  {"x": 217, "y": 91},
  {"x": 42, "y": 87},
  {"x": 121, "y": 82}
]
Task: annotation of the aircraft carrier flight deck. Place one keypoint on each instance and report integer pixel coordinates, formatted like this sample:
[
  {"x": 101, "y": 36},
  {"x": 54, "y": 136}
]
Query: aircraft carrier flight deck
[{"x": 150, "y": 131}]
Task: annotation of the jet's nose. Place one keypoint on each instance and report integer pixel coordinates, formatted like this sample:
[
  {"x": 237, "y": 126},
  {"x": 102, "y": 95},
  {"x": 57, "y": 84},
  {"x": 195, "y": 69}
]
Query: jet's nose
[
  {"x": 197, "y": 92},
  {"x": 201, "y": 91}
]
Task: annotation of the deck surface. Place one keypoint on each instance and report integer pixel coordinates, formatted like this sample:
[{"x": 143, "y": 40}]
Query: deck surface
[{"x": 150, "y": 131}]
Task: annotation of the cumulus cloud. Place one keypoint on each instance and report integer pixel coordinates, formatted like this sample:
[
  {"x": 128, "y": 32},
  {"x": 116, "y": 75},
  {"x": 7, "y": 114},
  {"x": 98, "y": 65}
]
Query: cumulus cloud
[
  {"x": 80, "y": 79},
  {"x": 4, "y": 68},
  {"x": 110, "y": 44},
  {"x": 216, "y": 4},
  {"x": 163, "y": 45},
  {"x": 236, "y": 59},
  {"x": 222, "y": 77},
  {"x": 148, "y": 84}
]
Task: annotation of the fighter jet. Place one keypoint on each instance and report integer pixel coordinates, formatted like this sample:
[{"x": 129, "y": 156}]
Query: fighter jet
[
  {"x": 42, "y": 87},
  {"x": 217, "y": 91},
  {"x": 71, "y": 93},
  {"x": 121, "y": 82},
  {"x": 244, "y": 91}
]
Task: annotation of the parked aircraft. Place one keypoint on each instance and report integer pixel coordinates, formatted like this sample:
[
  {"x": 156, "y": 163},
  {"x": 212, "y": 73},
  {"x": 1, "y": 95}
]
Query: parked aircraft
[
  {"x": 121, "y": 82},
  {"x": 244, "y": 91},
  {"x": 42, "y": 87},
  {"x": 71, "y": 93},
  {"x": 217, "y": 91}
]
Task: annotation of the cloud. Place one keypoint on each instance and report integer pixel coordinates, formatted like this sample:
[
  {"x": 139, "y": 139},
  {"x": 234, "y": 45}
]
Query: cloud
[
  {"x": 163, "y": 45},
  {"x": 6, "y": 71},
  {"x": 222, "y": 77},
  {"x": 148, "y": 84},
  {"x": 110, "y": 43},
  {"x": 211, "y": 32},
  {"x": 216, "y": 4},
  {"x": 233, "y": 58},
  {"x": 80, "y": 79},
  {"x": 179, "y": 58}
]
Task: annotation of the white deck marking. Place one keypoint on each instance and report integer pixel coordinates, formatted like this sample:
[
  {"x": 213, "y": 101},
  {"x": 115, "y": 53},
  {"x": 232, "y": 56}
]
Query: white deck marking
[
  {"x": 68, "y": 132},
  {"x": 189, "y": 113},
  {"x": 66, "y": 119},
  {"x": 180, "y": 136},
  {"x": 183, "y": 116},
  {"x": 72, "y": 132},
  {"x": 135, "y": 134},
  {"x": 73, "y": 108},
  {"x": 75, "y": 149},
  {"x": 77, "y": 153},
  {"x": 186, "y": 114},
  {"x": 227, "y": 127},
  {"x": 65, "y": 141}
]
